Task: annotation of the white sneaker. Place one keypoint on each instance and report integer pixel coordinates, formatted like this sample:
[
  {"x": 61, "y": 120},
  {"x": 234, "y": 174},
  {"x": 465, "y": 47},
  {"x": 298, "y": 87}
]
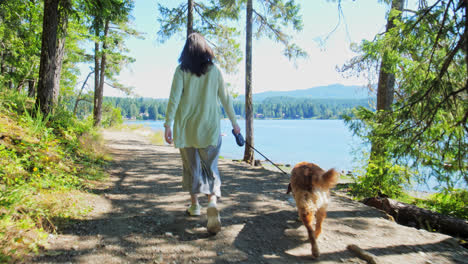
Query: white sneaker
[
  {"x": 194, "y": 210},
  {"x": 214, "y": 222}
]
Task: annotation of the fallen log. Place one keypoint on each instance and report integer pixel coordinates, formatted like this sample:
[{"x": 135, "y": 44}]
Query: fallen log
[{"x": 413, "y": 216}]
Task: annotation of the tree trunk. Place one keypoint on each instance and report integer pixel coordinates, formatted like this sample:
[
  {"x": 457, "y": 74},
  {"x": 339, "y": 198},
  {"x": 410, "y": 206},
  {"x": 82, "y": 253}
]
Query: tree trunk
[
  {"x": 96, "y": 63},
  {"x": 79, "y": 94},
  {"x": 249, "y": 153},
  {"x": 385, "y": 89},
  {"x": 45, "y": 89},
  {"x": 10, "y": 82},
  {"x": 61, "y": 37},
  {"x": 386, "y": 86},
  {"x": 410, "y": 215},
  {"x": 27, "y": 79},
  {"x": 189, "y": 17},
  {"x": 2, "y": 62},
  {"x": 97, "y": 75},
  {"x": 99, "y": 89},
  {"x": 31, "y": 88},
  {"x": 20, "y": 85},
  {"x": 466, "y": 36}
]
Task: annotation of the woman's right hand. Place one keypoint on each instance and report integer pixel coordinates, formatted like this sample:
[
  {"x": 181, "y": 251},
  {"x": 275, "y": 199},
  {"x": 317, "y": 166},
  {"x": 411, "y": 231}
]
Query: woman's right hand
[
  {"x": 237, "y": 129},
  {"x": 168, "y": 135}
]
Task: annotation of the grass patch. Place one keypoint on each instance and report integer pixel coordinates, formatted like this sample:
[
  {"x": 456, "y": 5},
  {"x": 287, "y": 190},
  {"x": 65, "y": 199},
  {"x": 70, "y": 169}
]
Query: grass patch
[
  {"x": 46, "y": 166},
  {"x": 453, "y": 202},
  {"x": 128, "y": 127},
  {"x": 157, "y": 138}
]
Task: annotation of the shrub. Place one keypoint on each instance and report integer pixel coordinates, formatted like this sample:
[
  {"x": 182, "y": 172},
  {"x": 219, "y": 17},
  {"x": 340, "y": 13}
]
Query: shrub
[
  {"x": 44, "y": 163},
  {"x": 452, "y": 202},
  {"x": 111, "y": 116}
]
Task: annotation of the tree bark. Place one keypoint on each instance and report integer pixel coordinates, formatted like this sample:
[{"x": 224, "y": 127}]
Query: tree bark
[
  {"x": 248, "y": 153},
  {"x": 97, "y": 68},
  {"x": 189, "y": 17},
  {"x": 20, "y": 85},
  {"x": 97, "y": 75},
  {"x": 386, "y": 85},
  {"x": 31, "y": 88},
  {"x": 99, "y": 89},
  {"x": 45, "y": 89},
  {"x": 27, "y": 79},
  {"x": 79, "y": 94},
  {"x": 52, "y": 51},
  {"x": 2, "y": 62},
  {"x": 61, "y": 37},
  {"x": 410, "y": 215},
  {"x": 466, "y": 35},
  {"x": 10, "y": 82}
]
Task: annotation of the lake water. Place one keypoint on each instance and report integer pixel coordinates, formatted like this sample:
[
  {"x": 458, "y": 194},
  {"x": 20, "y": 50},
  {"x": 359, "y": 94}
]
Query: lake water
[{"x": 327, "y": 143}]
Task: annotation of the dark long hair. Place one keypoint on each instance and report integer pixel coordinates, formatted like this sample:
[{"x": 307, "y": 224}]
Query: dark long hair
[{"x": 196, "y": 56}]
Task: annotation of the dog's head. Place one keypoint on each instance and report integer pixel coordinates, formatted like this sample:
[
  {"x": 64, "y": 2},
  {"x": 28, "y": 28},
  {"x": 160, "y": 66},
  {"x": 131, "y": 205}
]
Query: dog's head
[{"x": 307, "y": 176}]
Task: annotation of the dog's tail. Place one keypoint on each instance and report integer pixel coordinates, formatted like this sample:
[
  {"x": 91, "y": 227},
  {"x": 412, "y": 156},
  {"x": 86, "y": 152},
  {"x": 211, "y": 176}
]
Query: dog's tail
[{"x": 329, "y": 179}]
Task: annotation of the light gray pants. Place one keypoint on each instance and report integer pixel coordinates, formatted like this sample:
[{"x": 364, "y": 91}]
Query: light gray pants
[{"x": 201, "y": 173}]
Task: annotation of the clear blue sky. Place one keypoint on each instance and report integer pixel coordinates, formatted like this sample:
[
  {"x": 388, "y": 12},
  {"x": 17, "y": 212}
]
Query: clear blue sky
[{"x": 151, "y": 73}]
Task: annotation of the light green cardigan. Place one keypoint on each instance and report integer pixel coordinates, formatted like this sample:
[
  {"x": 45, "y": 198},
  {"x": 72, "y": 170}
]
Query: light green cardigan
[{"x": 194, "y": 107}]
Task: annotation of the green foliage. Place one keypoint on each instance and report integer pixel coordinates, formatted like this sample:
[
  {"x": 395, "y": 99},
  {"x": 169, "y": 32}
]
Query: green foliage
[
  {"x": 276, "y": 16},
  {"x": 157, "y": 138},
  {"x": 13, "y": 101},
  {"x": 77, "y": 34},
  {"x": 426, "y": 129},
  {"x": 42, "y": 160},
  {"x": 283, "y": 107},
  {"x": 20, "y": 41},
  {"x": 451, "y": 202},
  {"x": 273, "y": 107},
  {"x": 101, "y": 11},
  {"x": 109, "y": 22},
  {"x": 381, "y": 178},
  {"x": 211, "y": 19},
  {"x": 111, "y": 116},
  {"x": 217, "y": 20}
]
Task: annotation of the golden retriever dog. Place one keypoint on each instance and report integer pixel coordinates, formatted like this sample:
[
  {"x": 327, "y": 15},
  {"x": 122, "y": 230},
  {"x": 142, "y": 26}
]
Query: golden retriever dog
[{"x": 309, "y": 185}]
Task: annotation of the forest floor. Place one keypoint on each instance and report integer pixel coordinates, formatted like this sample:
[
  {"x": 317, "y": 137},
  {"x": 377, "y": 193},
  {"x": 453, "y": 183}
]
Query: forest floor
[{"x": 139, "y": 216}]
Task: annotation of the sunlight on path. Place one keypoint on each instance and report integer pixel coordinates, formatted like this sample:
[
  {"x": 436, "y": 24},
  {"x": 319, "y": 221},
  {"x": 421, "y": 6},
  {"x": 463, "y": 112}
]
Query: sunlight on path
[{"x": 140, "y": 217}]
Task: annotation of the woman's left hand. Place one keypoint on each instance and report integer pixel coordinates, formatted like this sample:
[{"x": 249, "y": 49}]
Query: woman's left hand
[
  {"x": 237, "y": 129},
  {"x": 168, "y": 135}
]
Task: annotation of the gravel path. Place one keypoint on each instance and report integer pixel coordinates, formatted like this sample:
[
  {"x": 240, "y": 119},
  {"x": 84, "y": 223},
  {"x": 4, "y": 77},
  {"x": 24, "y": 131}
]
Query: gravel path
[{"x": 139, "y": 217}]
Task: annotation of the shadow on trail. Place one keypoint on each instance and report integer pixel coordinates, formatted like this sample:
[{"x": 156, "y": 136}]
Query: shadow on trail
[
  {"x": 147, "y": 221},
  {"x": 442, "y": 249}
]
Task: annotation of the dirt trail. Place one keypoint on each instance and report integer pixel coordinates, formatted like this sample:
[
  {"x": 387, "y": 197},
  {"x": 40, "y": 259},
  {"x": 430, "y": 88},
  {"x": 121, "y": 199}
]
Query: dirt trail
[{"x": 139, "y": 217}]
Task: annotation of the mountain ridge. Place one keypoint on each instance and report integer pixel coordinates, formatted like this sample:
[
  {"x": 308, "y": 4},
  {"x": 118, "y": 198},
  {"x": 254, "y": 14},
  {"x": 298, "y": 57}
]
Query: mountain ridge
[{"x": 332, "y": 91}]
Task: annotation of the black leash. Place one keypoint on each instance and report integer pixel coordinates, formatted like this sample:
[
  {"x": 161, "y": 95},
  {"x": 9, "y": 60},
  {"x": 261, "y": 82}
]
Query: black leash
[{"x": 240, "y": 141}]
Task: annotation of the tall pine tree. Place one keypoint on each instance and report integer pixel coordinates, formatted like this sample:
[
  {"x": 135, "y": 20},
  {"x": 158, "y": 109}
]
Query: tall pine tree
[
  {"x": 109, "y": 24},
  {"x": 214, "y": 21},
  {"x": 53, "y": 46},
  {"x": 276, "y": 16}
]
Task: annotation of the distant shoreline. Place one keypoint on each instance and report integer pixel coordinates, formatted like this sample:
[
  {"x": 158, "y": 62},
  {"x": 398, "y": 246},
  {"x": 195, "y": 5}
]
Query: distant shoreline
[{"x": 242, "y": 118}]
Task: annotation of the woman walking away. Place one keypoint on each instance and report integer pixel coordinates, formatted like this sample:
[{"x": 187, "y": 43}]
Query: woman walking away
[{"x": 197, "y": 88}]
